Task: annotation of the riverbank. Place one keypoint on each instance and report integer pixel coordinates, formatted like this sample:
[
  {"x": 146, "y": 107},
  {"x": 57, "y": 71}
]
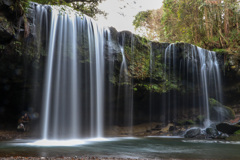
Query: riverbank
[
  {"x": 82, "y": 158},
  {"x": 141, "y": 130},
  {"x": 6, "y": 135}
]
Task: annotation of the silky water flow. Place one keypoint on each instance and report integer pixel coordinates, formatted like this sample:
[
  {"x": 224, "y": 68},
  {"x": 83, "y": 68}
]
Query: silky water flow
[{"x": 74, "y": 93}]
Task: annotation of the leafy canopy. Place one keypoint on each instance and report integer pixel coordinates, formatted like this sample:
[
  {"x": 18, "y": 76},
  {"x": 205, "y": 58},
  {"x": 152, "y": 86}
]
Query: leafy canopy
[
  {"x": 210, "y": 24},
  {"x": 88, "y": 7}
]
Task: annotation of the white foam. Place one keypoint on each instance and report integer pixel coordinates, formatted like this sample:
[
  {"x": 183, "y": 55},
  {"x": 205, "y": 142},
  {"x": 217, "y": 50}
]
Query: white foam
[
  {"x": 73, "y": 142},
  {"x": 211, "y": 141}
]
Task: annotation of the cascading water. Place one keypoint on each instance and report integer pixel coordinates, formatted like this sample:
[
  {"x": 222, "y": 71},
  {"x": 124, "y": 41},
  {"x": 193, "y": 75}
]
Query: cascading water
[
  {"x": 78, "y": 99},
  {"x": 66, "y": 110},
  {"x": 197, "y": 71},
  {"x": 125, "y": 86}
]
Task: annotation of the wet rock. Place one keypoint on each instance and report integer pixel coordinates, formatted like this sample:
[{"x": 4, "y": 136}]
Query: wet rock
[
  {"x": 192, "y": 133},
  {"x": 219, "y": 112},
  {"x": 8, "y": 2},
  {"x": 172, "y": 128},
  {"x": 6, "y": 30},
  {"x": 222, "y": 136},
  {"x": 157, "y": 127},
  {"x": 212, "y": 132},
  {"x": 227, "y": 128}
]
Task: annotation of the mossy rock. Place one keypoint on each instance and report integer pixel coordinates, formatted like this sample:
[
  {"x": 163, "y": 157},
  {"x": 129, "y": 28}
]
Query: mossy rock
[
  {"x": 212, "y": 132},
  {"x": 233, "y": 138},
  {"x": 6, "y": 30},
  {"x": 192, "y": 133},
  {"x": 219, "y": 112},
  {"x": 214, "y": 102}
]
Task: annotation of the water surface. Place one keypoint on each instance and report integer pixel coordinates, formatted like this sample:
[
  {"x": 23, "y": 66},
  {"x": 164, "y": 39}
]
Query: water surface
[{"x": 151, "y": 147}]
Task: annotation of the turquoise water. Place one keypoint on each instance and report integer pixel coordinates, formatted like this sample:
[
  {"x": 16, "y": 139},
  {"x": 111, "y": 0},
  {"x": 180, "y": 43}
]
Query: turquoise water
[{"x": 151, "y": 147}]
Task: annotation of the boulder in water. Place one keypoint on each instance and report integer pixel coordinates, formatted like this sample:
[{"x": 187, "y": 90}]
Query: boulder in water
[
  {"x": 193, "y": 133},
  {"x": 227, "y": 128},
  {"x": 212, "y": 132},
  {"x": 223, "y": 136}
]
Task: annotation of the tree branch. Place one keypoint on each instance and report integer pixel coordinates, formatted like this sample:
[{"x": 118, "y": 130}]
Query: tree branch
[{"x": 84, "y": 1}]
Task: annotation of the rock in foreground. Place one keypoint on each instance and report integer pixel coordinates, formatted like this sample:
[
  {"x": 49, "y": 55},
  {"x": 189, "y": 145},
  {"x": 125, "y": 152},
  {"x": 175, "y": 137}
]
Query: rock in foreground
[{"x": 227, "y": 128}]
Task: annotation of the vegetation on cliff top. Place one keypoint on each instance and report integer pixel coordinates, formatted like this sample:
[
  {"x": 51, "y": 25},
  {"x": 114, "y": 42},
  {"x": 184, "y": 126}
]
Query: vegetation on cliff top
[
  {"x": 206, "y": 23},
  {"x": 88, "y": 7}
]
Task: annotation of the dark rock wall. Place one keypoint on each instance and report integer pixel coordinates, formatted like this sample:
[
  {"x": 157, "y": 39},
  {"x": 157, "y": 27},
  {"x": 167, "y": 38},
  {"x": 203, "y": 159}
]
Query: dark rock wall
[{"x": 22, "y": 69}]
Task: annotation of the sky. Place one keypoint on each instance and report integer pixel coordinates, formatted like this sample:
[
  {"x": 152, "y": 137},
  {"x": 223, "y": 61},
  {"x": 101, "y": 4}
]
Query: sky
[{"x": 121, "y": 12}]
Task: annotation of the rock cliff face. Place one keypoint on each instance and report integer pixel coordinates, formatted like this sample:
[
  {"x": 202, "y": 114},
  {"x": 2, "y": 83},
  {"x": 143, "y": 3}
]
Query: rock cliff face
[
  {"x": 19, "y": 65},
  {"x": 23, "y": 63},
  {"x": 7, "y": 31}
]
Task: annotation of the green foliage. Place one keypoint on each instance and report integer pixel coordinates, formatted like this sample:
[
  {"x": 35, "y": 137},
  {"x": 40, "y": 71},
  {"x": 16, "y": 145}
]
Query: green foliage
[
  {"x": 50, "y": 2},
  {"x": 87, "y": 7},
  {"x": 20, "y": 7},
  {"x": 147, "y": 68},
  {"x": 138, "y": 57},
  {"x": 208, "y": 24},
  {"x": 237, "y": 132},
  {"x": 141, "y": 18},
  {"x": 17, "y": 47},
  {"x": 220, "y": 50}
]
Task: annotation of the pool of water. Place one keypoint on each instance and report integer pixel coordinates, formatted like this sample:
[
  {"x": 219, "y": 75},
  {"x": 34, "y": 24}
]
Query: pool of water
[{"x": 150, "y": 147}]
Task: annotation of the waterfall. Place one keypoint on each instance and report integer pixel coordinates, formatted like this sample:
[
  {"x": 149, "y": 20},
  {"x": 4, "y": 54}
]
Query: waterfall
[
  {"x": 92, "y": 75},
  {"x": 72, "y": 39},
  {"x": 125, "y": 89},
  {"x": 197, "y": 73}
]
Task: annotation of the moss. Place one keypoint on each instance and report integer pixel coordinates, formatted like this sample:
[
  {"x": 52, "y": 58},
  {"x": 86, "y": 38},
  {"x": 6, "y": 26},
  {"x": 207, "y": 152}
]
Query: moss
[
  {"x": 213, "y": 102},
  {"x": 234, "y": 138},
  {"x": 225, "y": 112},
  {"x": 237, "y": 132},
  {"x": 185, "y": 122},
  {"x": 190, "y": 122},
  {"x": 231, "y": 112},
  {"x": 220, "y": 50},
  {"x": 200, "y": 119},
  {"x": 144, "y": 67}
]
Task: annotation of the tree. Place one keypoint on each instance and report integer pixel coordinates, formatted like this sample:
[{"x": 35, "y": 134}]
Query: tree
[
  {"x": 207, "y": 23},
  {"x": 87, "y": 7},
  {"x": 149, "y": 23}
]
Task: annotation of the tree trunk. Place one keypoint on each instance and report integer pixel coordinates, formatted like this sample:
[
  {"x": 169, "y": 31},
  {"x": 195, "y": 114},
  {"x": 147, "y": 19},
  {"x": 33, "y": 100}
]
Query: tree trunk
[
  {"x": 206, "y": 20},
  {"x": 196, "y": 24},
  {"x": 226, "y": 19},
  {"x": 237, "y": 23}
]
